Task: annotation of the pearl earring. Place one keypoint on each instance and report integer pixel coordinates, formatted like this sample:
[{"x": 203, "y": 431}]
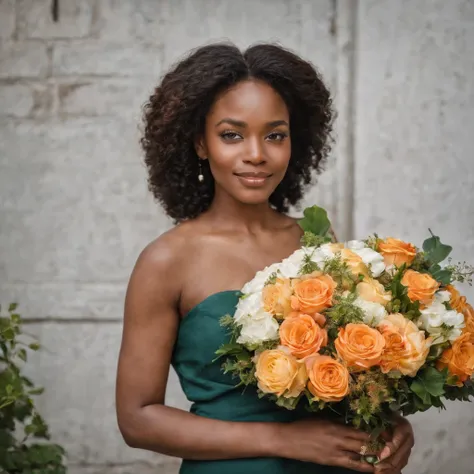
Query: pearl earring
[{"x": 200, "y": 175}]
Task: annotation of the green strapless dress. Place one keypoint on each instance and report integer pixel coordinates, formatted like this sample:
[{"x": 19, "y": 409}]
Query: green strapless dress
[{"x": 214, "y": 395}]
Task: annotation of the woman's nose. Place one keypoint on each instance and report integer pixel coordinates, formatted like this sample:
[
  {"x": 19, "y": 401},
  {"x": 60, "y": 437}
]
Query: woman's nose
[{"x": 255, "y": 153}]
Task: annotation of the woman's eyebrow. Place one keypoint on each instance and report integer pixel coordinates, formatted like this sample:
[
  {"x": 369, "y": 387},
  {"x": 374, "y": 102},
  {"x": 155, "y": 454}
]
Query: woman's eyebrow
[
  {"x": 239, "y": 123},
  {"x": 230, "y": 121},
  {"x": 276, "y": 123}
]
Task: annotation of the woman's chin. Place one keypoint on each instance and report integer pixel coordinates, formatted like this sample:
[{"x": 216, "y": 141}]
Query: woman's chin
[{"x": 254, "y": 198}]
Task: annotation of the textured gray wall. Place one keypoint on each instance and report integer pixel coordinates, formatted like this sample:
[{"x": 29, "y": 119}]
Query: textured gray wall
[{"x": 75, "y": 211}]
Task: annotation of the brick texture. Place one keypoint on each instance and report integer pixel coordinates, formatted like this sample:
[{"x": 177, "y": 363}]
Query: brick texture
[{"x": 35, "y": 19}]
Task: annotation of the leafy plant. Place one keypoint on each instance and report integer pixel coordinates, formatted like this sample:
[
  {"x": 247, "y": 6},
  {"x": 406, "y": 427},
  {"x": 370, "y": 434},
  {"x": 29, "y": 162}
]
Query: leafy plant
[
  {"x": 315, "y": 225},
  {"x": 20, "y": 422}
]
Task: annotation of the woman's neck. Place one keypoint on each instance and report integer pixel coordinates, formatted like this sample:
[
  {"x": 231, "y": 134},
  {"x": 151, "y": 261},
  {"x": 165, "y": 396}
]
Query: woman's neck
[{"x": 228, "y": 212}]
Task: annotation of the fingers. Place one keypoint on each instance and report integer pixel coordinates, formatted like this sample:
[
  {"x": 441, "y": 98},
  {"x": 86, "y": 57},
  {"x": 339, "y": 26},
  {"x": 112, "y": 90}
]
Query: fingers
[
  {"x": 395, "y": 463},
  {"x": 354, "y": 447},
  {"x": 354, "y": 463},
  {"x": 356, "y": 435},
  {"x": 403, "y": 432}
]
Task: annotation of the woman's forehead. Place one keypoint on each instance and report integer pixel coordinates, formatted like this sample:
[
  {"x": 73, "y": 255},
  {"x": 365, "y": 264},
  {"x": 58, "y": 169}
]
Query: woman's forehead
[{"x": 249, "y": 100}]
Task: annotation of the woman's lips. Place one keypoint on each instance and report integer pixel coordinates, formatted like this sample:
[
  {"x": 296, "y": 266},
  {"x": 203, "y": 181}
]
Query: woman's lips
[{"x": 253, "y": 180}]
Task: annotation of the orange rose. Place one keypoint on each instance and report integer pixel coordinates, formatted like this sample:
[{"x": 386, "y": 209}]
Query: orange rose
[
  {"x": 353, "y": 261},
  {"x": 372, "y": 290},
  {"x": 421, "y": 286},
  {"x": 280, "y": 373},
  {"x": 396, "y": 252},
  {"x": 360, "y": 346},
  {"x": 328, "y": 378},
  {"x": 319, "y": 318},
  {"x": 406, "y": 347},
  {"x": 302, "y": 336},
  {"x": 469, "y": 321},
  {"x": 313, "y": 294},
  {"x": 457, "y": 302},
  {"x": 277, "y": 298},
  {"x": 459, "y": 359}
]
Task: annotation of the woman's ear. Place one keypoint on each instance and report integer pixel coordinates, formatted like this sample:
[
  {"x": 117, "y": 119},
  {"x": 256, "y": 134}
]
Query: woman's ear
[{"x": 200, "y": 148}]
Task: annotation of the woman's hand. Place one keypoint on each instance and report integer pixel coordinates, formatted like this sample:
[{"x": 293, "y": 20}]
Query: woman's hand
[
  {"x": 394, "y": 457},
  {"x": 323, "y": 442}
]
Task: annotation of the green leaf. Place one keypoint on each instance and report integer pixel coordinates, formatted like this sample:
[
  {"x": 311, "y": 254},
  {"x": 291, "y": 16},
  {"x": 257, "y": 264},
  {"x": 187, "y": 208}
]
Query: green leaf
[
  {"x": 18, "y": 414},
  {"x": 9, "y": 334},
  {"x": 34, "y": 346},
  {"x": 22, "y": 355},
  {"x": 12, "y": 307},
  {"x": 229, "y": 349},
  {"x": 419, "y": 405},
  {"x": 36, "y": 391},
  {"x": 16, "y": 318},
  {"x": 443, "y": 276},
  {"x": 434, "y": 381},
  {"x": 288, "y": 403},
  {"x": 22, "y": 410},
  {"x": 315, "y": 221},
  {"x": 429, "y": 383},
  {"x": 436, "y": 251}
]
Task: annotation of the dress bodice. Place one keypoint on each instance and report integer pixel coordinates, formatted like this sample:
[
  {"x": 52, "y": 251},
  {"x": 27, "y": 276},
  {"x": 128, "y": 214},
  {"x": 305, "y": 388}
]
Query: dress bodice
[{"x": 214, "y": 394}]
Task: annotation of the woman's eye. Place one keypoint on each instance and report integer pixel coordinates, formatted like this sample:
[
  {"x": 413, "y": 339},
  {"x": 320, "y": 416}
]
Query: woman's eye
[
  {"x": 277, "y": 136},
  {"x": 230, "y": 136}
]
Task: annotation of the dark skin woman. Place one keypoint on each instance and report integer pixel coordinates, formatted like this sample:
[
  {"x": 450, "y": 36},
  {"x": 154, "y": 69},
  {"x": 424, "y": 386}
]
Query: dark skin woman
[{"x": 231, "y": 141}]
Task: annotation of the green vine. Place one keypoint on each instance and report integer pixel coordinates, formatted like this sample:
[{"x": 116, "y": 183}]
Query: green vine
[{"x": 20, "y": 422}]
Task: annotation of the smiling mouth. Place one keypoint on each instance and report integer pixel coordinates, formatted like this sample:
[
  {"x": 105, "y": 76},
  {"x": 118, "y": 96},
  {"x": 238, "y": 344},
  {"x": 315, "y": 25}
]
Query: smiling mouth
[{"x": 253, "y": 180}]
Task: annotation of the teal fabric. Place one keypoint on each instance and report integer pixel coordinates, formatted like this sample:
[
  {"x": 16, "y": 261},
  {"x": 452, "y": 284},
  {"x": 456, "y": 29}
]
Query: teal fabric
[{"x": 213, "y": 394}]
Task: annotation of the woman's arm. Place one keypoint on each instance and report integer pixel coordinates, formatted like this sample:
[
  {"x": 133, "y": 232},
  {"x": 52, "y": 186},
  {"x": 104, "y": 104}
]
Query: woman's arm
[{"x": 150, "y": 328}]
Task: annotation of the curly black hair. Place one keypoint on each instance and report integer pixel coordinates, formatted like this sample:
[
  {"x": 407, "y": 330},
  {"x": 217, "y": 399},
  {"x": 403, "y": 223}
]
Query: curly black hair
[{"x": 174, "y": 117}]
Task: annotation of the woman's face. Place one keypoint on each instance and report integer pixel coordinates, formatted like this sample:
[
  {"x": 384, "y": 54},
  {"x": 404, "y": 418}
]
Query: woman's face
[{"x": 247, "y": 141}]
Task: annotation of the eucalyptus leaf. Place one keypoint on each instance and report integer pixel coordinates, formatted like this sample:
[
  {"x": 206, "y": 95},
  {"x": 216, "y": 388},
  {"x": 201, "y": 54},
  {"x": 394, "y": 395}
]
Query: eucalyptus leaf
[
  {"x": 435, "y": 251},
  {"x": 443, "y": 276},
  {"x": 315, "y": 220}
]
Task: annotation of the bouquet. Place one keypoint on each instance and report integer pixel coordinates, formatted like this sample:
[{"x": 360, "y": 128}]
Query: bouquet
[{"x": 363, "y": 329}]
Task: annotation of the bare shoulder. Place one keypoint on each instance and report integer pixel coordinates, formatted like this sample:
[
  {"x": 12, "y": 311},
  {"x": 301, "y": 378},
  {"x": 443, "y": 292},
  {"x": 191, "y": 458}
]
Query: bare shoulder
[
  {"x": 168, "y": 250},
  {"x": 159, "y": 266}
]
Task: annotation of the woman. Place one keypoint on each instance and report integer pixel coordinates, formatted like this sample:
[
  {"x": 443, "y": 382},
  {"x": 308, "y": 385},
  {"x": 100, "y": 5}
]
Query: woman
[{"x": 231, "y": 140}]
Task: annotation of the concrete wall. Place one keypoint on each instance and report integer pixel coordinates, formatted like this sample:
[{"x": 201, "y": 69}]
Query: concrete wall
[{"x": 75, "y": 211}]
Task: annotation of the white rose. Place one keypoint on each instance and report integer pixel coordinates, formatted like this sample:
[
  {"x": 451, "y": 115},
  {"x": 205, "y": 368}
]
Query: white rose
[
  {"x": 374, "y": 313},
  {"x": 440, "y": 323},
  {"x": 370, "y": 257},
  {"x": 453, "y": 319},
  {"x": 442, "y": 297},
  {"x": 326, "y": 252},
  {"x": 257, "y": 329},
  {"x": 355, "y": 245},
  {"x": 290, "y": 267},
  {"x": 248, "y": 306},
  {"x": 320, "y": 255},
  {"x": 391, "y": 269},
  {"x": 257, "y": 283}
]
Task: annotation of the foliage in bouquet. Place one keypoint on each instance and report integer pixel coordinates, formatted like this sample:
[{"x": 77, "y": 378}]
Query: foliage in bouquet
[
  {"x": 364, "y": 329},
  {"x": 19, "y": 419}
]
